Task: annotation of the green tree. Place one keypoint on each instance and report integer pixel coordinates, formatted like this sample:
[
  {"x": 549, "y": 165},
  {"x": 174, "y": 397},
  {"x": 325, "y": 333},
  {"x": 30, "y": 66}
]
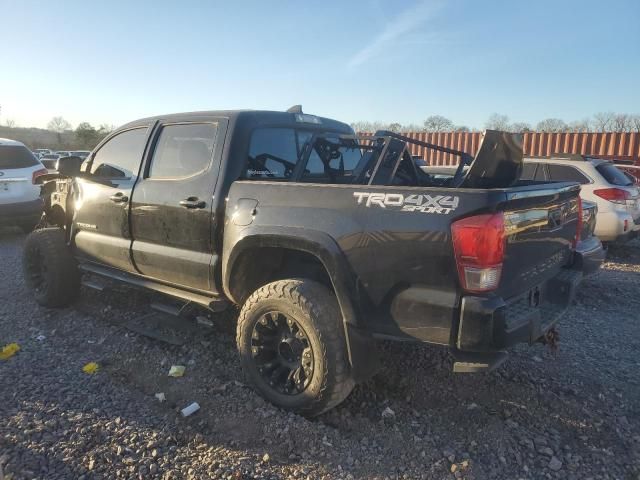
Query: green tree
[{"x": 87, "y": 136}]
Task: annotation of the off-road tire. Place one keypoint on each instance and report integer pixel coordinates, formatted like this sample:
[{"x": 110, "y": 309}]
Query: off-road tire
[
  {"x": 316, "y": 309},
  {"x": 50, "y": 271}
]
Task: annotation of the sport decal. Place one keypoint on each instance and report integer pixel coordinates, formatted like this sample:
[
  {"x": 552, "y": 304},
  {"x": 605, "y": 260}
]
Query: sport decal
[{"x": 439, "y": 204}]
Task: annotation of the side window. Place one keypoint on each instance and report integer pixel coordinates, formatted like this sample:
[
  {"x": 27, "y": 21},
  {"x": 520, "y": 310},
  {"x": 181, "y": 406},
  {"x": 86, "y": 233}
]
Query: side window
[
  {"x": 566, "y": 173},
  {"x": 273, "y": 153},
  {"x": 528, "y": 171},
  {"x": 120, "y": 157},
  {"x": 183, "y": 150}
]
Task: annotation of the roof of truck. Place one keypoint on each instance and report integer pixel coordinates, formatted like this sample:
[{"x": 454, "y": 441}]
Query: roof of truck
[
  {"x": 259, "y": 116},
  {"x": 7, "y": 141}
]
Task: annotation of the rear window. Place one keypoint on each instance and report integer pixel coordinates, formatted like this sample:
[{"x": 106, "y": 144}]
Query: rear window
[
  {"x": 613, "y": 175},
  {"x": 16, "y": 156},
  {"x": 273, "y": 153}
]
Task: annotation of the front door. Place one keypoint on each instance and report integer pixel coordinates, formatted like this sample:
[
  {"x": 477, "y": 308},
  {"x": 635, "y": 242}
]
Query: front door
[
  {"x": 101, "y": 220},
  {"x": 171, "y": 212}
]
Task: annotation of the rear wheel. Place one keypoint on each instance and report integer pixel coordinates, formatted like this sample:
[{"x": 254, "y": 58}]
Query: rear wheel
[
  {"x": 50, "y": 270},
  {"x": 292, "y": 347}
]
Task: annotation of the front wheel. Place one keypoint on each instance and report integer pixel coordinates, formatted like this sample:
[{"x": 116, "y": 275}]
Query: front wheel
[
  {"x": 50, "y": 270},
  {"x": 292, "y": 346}
]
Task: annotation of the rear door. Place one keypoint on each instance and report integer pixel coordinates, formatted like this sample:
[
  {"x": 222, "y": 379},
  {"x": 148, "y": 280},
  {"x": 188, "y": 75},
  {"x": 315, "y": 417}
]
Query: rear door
[
  {"x": 172, "y": 217},
  {"x": 101, "y": 222}
]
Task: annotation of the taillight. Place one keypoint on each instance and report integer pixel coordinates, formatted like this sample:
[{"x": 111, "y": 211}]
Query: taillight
[
  {"x": 38, "y": 173},
  {"x": 615, "y": 195},
  {"x": 579, "y": 224},
  {"x": 478, "y": 244}
]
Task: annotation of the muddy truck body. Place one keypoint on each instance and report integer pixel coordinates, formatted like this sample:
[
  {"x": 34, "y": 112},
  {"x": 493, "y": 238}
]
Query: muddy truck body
[{"x": 325, "y": 241}]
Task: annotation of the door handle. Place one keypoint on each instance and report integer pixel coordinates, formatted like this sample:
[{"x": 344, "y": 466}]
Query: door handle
[
  {"x": 119, "y": 198},
  {"x": 192, "y": 202}
]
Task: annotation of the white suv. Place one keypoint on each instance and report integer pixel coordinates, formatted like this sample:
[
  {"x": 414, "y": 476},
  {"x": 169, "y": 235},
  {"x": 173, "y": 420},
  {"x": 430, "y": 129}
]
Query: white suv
[
  {"x": 20, "y": 202},
  {"x": 601, "y": 182}
]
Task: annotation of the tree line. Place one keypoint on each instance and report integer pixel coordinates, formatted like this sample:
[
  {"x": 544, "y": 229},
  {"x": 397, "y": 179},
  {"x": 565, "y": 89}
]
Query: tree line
[
  {"x": 86, "y": 135},
  {"x": 59, "y": 134},
  {"x": 600, "y": 122}
]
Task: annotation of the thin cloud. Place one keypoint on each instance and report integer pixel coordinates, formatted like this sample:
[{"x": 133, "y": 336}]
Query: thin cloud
[{"x": 405, "y": 22}]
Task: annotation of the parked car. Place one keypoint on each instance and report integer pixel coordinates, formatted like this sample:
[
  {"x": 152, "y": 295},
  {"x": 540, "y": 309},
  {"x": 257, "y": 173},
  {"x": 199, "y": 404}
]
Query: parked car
[
  {"x": 20, "y": 202},
  {"x": 49, "y": 161},
  {"x": 325, "y": 240},
  {"x": 616, "y": 195},
  {"x": 39, "y": 152},
  {"x": 63, "y": 153},
  {"x": 80, "y": 153}
]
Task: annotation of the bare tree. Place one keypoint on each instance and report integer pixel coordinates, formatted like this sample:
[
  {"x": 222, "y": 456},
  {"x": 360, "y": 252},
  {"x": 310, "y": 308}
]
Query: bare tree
[
  {"x": 603, "y": 121},
  {"x": 497, "y": 122},
  {"x": 580, "y": 125},
  {"x": 438, "y": 123},
  {"x": 461, "y": 128},
  {"x": 635, "y": 122},
  {"x": 10, "y": 123},
  {"x": 622, "y": 122},
  {"x": 395, "y": 127},
  {"x": 58, "y": 124},
  {"x": 551, "y": 125},
  {"x": 520, "y": 127}
]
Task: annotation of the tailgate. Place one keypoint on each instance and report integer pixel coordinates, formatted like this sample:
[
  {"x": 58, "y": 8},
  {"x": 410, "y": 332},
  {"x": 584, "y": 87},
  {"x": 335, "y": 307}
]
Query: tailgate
[
  {"x": 541, "y": 222},
  {"x": 15, "y": 187}
]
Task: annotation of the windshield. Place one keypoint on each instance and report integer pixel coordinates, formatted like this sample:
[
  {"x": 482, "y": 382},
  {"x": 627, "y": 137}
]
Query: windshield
[
  {"x": 16, "y": 156},
  {"x": 613, "y": 175}
]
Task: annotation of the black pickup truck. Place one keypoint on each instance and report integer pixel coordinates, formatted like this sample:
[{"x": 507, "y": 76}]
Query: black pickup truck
[{"x": 325, "y": 240}]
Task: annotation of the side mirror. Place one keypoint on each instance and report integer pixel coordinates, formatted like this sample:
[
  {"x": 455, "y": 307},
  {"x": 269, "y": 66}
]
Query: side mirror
[{"x": 69, "y": 166}]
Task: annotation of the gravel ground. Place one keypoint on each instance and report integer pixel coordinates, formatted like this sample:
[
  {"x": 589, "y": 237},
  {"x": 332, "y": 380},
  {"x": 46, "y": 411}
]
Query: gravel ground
[{"x": 574, "y": 415}]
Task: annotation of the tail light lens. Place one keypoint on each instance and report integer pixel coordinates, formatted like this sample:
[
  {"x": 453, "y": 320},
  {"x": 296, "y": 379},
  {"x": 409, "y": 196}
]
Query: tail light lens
[
  {"x": 614, "y": 195},
  {"x": 579, "y": 224},
  {"x": 38, "y": 173},
  {"x": 478, "y": 244}
]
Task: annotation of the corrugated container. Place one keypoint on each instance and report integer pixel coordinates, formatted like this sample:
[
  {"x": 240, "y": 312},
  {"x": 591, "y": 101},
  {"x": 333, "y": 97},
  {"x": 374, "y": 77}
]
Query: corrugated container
[{"x": 606, "y": 145}]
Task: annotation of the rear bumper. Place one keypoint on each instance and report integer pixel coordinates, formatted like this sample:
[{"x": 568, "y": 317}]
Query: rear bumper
[
  {"x": 488, "y": 324},
  {"x": 589, "y": 255},
  {"x": 15, "y": 213},
  {"x": 616, "y": 226}
]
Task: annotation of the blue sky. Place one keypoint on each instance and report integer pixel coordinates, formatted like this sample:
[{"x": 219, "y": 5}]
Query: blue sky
[{"x": 111, "y": 62}]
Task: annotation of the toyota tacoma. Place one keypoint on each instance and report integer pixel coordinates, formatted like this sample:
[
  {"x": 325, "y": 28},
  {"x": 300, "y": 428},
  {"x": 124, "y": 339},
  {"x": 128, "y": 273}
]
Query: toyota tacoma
[{"x": 326, "y": 241}]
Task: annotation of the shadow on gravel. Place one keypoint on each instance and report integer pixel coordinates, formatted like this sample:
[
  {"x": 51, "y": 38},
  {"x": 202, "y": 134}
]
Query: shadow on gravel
[{"x": 628, "y": 253}]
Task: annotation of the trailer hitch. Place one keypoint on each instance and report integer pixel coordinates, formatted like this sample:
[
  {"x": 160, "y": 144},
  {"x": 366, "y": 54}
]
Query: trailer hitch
[{"x": 551, "y": 338}]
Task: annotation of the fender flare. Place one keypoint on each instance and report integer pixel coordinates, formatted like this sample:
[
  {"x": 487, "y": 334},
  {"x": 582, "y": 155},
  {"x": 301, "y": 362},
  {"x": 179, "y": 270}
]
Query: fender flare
[{"x": 319, "y": 244}]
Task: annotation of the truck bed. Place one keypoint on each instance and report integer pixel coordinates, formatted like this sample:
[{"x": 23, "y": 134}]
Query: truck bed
[{"x": 397, "y": 242}]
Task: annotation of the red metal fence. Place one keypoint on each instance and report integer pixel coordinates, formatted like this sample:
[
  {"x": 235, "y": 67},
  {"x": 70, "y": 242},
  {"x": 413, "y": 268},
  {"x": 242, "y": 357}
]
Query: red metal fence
[{"x": 607, "y": 145}]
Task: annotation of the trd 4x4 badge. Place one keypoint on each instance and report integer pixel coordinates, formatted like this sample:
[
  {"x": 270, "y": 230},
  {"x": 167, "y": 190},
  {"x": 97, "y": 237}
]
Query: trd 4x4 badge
[{"x": 440, "y": 204}]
